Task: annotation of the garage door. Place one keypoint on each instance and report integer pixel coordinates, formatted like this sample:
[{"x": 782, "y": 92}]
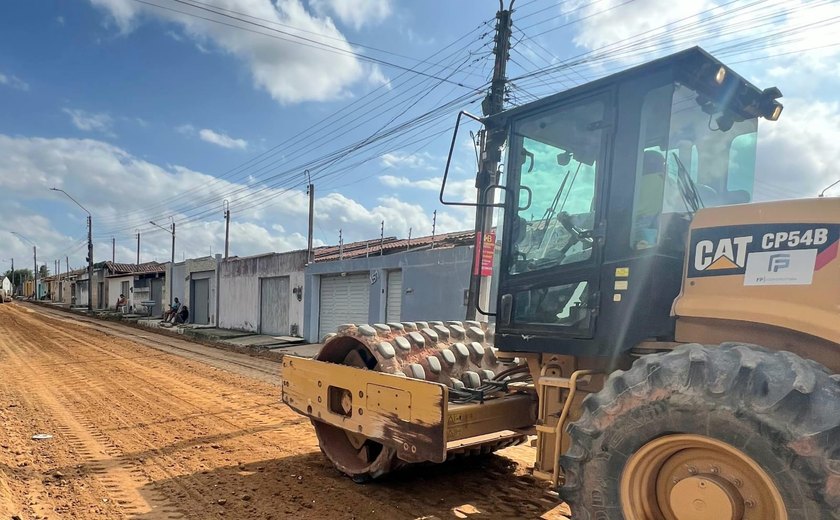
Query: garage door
[
  {"x": 343, "y": 299},
  {"x": 274, "y": 306},
  {"x": 393, "y": 304}
]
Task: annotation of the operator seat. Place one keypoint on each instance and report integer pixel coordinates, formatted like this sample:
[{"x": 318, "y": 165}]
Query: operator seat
[{"x": 649, "y": 201}]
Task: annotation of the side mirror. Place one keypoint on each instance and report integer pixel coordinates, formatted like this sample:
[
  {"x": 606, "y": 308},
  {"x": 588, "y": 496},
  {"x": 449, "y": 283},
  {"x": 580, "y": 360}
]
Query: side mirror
[{"x": 564, "y": 158}]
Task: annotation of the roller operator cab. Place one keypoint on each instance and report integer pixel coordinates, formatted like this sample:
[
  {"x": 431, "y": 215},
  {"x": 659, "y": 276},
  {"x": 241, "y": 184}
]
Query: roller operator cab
[
  {"x": 672, "y": 346},
  {"x": 603, "y": 183}
]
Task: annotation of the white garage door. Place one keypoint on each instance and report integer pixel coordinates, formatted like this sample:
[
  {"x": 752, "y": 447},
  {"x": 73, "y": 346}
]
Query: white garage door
[
  {"x": 393, "y": 304},
  {"x": 344, "y": 299}
]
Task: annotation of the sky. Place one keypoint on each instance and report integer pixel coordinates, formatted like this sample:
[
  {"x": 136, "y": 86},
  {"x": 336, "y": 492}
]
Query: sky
[{"x": 162, "y": 110}]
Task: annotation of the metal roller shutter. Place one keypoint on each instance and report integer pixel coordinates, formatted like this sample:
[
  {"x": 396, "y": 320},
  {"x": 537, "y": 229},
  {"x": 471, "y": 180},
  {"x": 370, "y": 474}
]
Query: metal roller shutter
[
  {"x": 343, "y": 299},
  {"x": 274, "y": 306},
  {"x": 393, "y": 303}
]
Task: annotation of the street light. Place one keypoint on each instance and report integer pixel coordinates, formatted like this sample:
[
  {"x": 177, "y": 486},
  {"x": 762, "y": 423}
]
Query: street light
[
  {"x": 172, "y": 261},
  {"x": 34, "y": 261},
  {"x": 90, "y": 247}
]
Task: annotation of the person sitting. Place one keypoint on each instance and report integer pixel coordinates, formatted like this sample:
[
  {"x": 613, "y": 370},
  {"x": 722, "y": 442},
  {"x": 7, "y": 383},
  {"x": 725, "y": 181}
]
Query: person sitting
[
  {"x": 183, "y": 315},
  {"x": 173, "y": 310},
  {"x": 122, "y": 303}
]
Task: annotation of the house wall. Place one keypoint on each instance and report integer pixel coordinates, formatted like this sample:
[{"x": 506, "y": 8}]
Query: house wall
[
  {"x": 99, "y": 276},
  {"x": 178, "y": 273},
  {"x": 82, "y": 291},
  {"x": 239, "y": 289},
  {"x": 197, "y": 269},
  {"x": 114, "y": 284},
  {"x": 433, "y": 282}
]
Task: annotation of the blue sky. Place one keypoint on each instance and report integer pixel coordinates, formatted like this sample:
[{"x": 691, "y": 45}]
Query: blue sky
[{"x": 138, "y": 110}]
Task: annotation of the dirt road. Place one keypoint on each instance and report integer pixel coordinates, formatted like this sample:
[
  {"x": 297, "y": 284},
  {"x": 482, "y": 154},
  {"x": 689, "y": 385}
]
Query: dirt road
[{"x": 170, "y": 430}]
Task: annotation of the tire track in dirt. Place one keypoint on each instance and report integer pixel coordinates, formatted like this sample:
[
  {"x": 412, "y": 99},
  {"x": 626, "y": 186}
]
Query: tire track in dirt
[
  {"x": 118, "y": 476},
  {"x": 161, "y": 436}
]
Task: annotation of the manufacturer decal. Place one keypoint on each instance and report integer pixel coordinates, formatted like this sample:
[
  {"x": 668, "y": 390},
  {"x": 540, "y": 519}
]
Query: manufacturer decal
[
  {"x": 794, "y": 267},
  {"x": 767, "y": 254}
]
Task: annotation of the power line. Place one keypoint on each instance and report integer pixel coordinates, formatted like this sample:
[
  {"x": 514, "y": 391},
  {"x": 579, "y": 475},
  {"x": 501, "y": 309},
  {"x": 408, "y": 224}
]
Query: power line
[
  {"x": 306, "y": 42},
  {"x": 371, "y": 113}
]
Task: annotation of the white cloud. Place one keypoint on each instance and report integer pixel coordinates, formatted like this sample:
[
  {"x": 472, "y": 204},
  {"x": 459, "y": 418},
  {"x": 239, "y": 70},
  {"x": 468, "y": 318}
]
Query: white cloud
[
  {"x": 422, "y": 160},
  {"x": 221, "y": 139},
  {"x": 124, "y": 192},
  {"x": 289, "y": 72},
  {"x": 357, "y": 13},
  {"x": 14, "y": 82},
  {"x": 459, "y": 190},
  {"x": 609, "y": 21},
  {"x": 798, "y": 154},
  {"x": 780, "y": 31},
  {"x": 90, "y": 121}
]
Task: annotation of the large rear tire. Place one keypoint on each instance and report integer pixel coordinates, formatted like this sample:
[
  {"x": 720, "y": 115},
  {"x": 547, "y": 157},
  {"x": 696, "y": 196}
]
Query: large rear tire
[{"x": 734, "y": 431}]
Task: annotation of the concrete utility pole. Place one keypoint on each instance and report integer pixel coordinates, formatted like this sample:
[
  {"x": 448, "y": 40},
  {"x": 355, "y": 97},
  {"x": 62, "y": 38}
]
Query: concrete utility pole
[
  {"x": 493, "y": 139},
  {"x": 310, "y": 190},
  {"x": 172, "y": 259},
  {"x": 113, "y": 249},
  {"x": 227, "y": 228},
  {"x": 13, "y": 277},
  {"x": 138, "y": 247},
  {"x": 90, "y": 262},
  {"x": 90, "y": 248}
]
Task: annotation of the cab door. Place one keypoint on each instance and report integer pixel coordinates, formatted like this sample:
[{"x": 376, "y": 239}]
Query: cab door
[{"x": 549, "y": 273}]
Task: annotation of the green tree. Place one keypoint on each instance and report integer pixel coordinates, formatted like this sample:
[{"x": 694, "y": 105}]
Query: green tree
[{"x": 43, "y": 272}]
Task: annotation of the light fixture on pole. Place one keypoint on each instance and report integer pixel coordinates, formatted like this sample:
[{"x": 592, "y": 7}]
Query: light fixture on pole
[{"x": 90, "y": 247}]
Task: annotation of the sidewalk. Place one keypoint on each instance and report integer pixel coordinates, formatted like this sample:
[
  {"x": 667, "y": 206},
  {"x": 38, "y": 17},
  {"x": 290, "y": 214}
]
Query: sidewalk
[
  {"x": 242, "y": 341},
  {"x": 235, "y": 338}
]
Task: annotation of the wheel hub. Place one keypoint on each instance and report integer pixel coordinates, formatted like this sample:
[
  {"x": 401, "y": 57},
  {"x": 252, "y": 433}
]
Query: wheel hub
[
  {"x": 695, "y": 498},
  {"x": 693, "y": 477}
]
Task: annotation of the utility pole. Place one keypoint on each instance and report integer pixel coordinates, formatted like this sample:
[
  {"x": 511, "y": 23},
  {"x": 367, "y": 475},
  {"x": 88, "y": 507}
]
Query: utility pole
[
  {"x": 172, "y": 264},
  {"x": 227, "y": 228},
  {"x": 35, "y": 280},
  {"x": 14, "y": 287},
  {"x": 90, "y": 263},
  {"x": 90, "y": 247},
  {"x": 493, "y": 138},
  {"x": 381, "y": 237},
  {"x": 310, "y": 190},
  {"x": 113, "y": 249},
  {"x": 138, "y": 247},
  {"x": 434, "y": 226}
]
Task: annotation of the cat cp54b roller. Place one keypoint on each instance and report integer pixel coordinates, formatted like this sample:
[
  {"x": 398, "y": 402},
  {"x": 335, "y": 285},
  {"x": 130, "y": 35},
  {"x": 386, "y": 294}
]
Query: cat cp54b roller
[{"x": 674, "y": 347}]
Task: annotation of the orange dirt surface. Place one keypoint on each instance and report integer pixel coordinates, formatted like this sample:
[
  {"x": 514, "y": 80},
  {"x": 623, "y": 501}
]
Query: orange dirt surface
[{"x": 147, "y": 426}]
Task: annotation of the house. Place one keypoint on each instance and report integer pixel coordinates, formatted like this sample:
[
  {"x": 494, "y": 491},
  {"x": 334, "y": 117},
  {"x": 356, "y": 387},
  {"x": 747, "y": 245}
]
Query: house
[
  {"x": 194, "y": 283},
  {"x": 388, "y": 280},
  {"x": 263, "y": 293},
  {"x": 142, "y": 284}
]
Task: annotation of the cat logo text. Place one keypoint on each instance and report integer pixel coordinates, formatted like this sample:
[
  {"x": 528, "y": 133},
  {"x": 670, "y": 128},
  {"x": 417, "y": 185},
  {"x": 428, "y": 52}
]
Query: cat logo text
[{"x": 723, "y": 254}]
